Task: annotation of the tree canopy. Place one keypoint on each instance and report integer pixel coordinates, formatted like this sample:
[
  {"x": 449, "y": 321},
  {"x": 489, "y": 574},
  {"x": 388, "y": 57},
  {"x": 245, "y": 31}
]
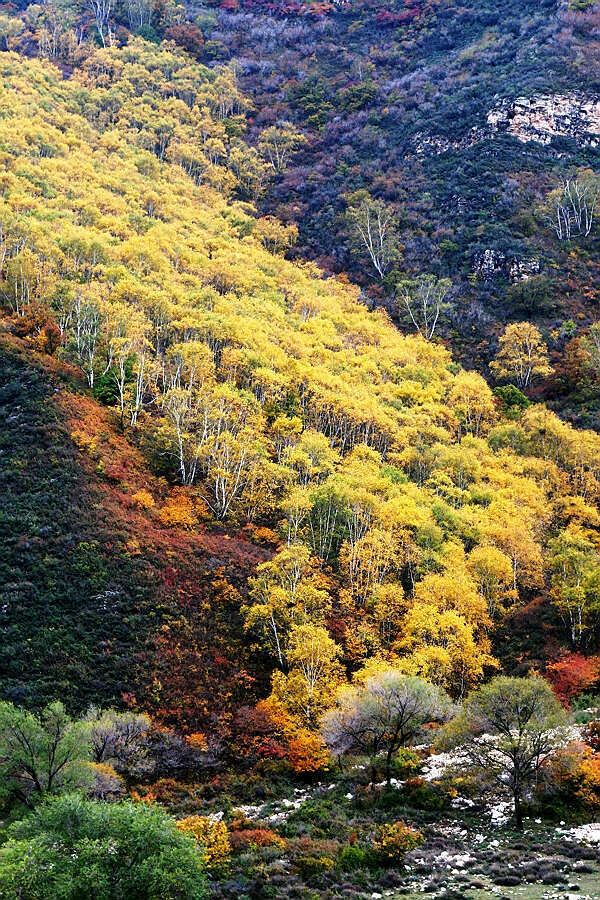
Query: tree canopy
[
  {"x": 506, "y": 729},
  {"x": 70, "y": 846},
  {"x": 411, "y": 508}
]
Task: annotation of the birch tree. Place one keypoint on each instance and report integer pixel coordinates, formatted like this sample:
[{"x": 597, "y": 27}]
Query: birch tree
[
  {"x": 571, "y": 208},
  {"x": 522, "y": 354},
  {"x": 101, "y": 10},
  {"x": 314, "y": 674},
  {"x": 277, "y": 144},
  {"x": 373, "y": 224},
  {"x": 423, "y": 300},
  {"x": 85, "y": 319},
  {"x": 576, "y": 583}
]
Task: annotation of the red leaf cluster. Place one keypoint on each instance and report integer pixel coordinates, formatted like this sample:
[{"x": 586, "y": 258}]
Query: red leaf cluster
[{"x": 572, "y": 675}]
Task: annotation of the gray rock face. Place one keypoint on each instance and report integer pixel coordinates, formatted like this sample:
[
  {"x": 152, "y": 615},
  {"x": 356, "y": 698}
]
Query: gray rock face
[
  {"x": 540, "y": 118},
  {"x": 492, "y": 263}
]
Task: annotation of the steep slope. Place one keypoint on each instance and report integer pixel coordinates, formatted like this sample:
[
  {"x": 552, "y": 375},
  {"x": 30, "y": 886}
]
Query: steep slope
[
  {"x": 407, "y": 510},
  {"x": 93, "y": 587},
  {"x": 462, "y": 117}
]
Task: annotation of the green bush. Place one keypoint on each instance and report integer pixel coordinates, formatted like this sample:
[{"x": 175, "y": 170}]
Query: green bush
[
  {"x": 71, "y": 848},
  {"x": 352, "y": 858},
  {"x": 149, "y": 34},
  {"x": 513, "y": 400},
  {"x": 405, "y": 763},
  {"x": 586, "y": 701},
  {"x": 320, "y": 815},
  {"x": 420, "y": 794}
]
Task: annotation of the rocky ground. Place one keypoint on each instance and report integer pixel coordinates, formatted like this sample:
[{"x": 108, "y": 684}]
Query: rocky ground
[
  {"x": 543, "y": 862},
  {"x": 471, "y": 850}
]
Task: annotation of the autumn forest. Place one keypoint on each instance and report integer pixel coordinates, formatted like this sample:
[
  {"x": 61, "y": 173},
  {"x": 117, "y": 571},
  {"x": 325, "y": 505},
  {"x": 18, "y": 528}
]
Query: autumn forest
[{"x": 300, "y": 462}]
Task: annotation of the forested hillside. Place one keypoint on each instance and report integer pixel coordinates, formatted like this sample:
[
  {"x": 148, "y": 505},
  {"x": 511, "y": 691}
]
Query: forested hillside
[
  {"x": 463, "y": 128},
  {"x": 414, "y": 103},
  {"x": 412, "y": 508},
  {"x": 251, "y": 526}
]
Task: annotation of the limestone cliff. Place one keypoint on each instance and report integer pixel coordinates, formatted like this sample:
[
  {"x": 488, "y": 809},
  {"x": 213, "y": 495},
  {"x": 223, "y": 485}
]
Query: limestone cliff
[{"x": 540, "y": 118}]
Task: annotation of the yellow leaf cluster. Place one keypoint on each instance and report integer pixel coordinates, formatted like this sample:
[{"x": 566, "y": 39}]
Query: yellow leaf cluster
[{"x": 212, "y": 836}]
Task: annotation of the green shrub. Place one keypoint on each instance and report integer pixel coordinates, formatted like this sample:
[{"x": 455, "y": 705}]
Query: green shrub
[
  {"x": 421, "y": 794},
  {"x": 148, "y": 33},
  {"x": 320, "y": 815},
  {"x": 405, "y": 763},
  {"x": 513, "y": 400},
  {"x": 586, "y": 701},
  {"x": 71, "y": 848},
  {"x": 352, "y": 858}
]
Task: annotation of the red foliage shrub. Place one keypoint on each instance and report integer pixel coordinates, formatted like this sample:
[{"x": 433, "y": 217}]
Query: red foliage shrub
[
  {"x": 573, "y": 674},
  {"x": 49, "y": 339},
  {"x": 187, "y": 36},
  {"x": 255, "y": 734},
  {"x": 190, "y": 671},
  {"x": 169, "y": 792},
  {"x": 386, "y": 18},
  {"x": 254, "y": 837},
  {"x": 37, "y": 325}
]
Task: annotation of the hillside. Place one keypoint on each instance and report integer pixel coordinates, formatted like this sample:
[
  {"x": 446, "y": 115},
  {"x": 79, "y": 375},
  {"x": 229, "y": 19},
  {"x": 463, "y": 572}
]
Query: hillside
[
  {"x": 96, "y": 590},
  {"x": 269, "y": 394},
  {"x": 462, "y": 122},
  {"x": 251, "y": 528},
  {"x": 461, "y": 118}
]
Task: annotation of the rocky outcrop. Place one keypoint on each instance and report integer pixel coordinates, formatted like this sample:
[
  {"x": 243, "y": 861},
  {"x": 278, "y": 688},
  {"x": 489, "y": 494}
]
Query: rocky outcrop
[
  {"x": 540, "y": 118},
  {"x": 436, "y": 144},
  {"x": 490, "y": 264},
  {"x": 522, "y": 269}
]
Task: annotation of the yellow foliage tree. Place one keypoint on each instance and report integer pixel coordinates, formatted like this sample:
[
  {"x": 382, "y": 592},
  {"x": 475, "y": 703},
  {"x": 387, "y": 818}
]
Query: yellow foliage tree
[
  {"x": 522, "y": 354},
  {"x": 492, "y": 572},
  {"x": 314, "y": 674},
  {"x": 307, "y": 753},
  {"x": 473, "y": 403},
  {"x": 272, "y": 392},
  {"x": 441, "y": 647}
]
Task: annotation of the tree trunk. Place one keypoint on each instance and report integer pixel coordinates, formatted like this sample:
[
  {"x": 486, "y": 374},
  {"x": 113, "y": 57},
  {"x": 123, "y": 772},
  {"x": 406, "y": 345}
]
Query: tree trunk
[
  {"x": 518, "y": 810},
  {"x": 388, "y": 766}
]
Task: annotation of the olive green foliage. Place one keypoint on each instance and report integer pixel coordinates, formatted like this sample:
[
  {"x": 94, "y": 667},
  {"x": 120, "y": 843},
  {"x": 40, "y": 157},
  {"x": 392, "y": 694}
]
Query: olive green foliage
[
  {"x": 71, "y": 848},
  {"x": 506, "y": 729},
  {"x": 382, "y": 715},
  {"x": 42, "y": 754}
]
